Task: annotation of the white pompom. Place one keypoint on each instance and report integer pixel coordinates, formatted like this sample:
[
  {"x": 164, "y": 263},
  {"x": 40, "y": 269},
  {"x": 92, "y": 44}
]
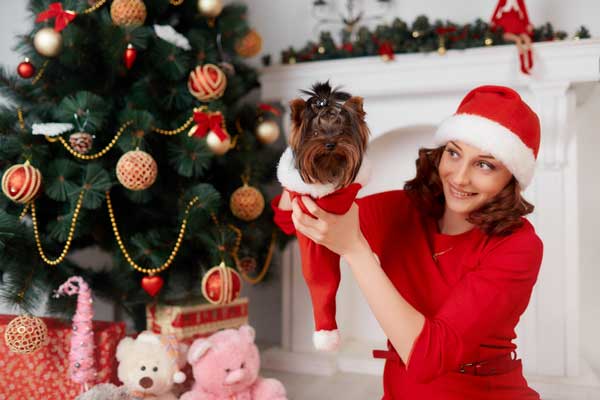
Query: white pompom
[{"x": 179, "y": 377}]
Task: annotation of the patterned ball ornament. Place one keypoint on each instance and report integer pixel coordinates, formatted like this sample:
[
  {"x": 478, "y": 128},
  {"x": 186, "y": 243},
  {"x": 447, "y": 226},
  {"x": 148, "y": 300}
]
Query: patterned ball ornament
[
  {"x": 128, "y": 12},
  {"x": 249, "y": 45},
  {"x": 22, "y": 183},
  {"x": 48, "y": 42},
  {"x": 136, "y": 170},
  {"x": 247, "y": 203},
  {"x": 26, "y": 334},
  {"x": 221, "y": 284},
  {"x": 207, "y": 82}
]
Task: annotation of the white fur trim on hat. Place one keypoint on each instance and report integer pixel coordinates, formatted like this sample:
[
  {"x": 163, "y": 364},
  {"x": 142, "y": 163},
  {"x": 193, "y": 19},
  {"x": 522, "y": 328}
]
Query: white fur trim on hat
[
  {"x": 326, "y": 340},
  {"x": 493, "y": 138},
  {"x": 290, "y": 178}
]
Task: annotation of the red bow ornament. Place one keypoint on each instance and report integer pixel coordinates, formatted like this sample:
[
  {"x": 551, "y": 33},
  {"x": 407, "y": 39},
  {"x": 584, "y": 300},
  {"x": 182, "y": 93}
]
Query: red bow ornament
[
  {"x": 207, "y": 122},
  {"x": 62, "y": 17}
]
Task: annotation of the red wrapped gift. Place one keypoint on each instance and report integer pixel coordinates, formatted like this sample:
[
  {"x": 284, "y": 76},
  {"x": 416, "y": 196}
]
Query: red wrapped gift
[
  {"x": 190, "y": 321},
  {"x": 44, "y": 373}
]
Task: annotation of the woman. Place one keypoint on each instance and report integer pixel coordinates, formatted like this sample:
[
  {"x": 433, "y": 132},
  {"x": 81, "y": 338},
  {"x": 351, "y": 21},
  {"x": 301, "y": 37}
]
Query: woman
[{"x": 448, "y": 264}]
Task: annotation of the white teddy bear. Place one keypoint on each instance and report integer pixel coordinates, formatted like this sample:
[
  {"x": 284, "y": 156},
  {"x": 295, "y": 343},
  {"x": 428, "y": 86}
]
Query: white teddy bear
[{"x": 149, "y": 365}]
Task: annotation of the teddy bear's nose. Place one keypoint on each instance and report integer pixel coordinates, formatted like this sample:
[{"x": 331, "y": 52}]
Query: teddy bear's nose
[{"x": 146, "y": 382}]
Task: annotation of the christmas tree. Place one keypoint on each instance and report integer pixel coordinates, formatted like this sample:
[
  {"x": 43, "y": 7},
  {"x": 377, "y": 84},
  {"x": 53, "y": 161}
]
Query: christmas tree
[{"x": 137, "y": 117}]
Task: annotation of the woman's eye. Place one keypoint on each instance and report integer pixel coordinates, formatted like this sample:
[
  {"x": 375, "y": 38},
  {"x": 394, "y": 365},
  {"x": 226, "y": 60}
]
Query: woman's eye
[
  {"x": 484, "y": 165},
  {"x": 452, "y": 153}
]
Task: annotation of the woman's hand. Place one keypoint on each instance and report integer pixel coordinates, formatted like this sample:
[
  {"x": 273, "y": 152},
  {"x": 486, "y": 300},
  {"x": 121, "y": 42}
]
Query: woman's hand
[{"x": 339, "y": 233}]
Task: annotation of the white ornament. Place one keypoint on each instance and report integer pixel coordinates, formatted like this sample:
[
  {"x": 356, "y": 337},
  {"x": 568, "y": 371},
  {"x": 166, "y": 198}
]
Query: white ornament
[
  {"x": 168, "y": 34},
  {"x": 51, "y": 128}
]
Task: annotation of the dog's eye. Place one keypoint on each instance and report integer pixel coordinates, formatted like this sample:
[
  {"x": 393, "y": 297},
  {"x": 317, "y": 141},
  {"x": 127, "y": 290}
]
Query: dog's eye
[
  {"x": 316, "y": 133},
  {"x": 143, "y": 368}
]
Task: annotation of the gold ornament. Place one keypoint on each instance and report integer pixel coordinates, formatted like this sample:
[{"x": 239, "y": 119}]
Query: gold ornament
[
  {"x": 48, "y": 42},
  {"x": 267, "y": 131},
  {"x": 128, "y": 12},
  {"x": 210, "y": 8},
  {"x": 136, "y": 170},
  {"x": 81, "y": 142},
  {"x": 250, "y": 45},
  {"x": 247, "y": 203},
  {"x": 488, "y": 41},
  {"x": 221, "y": 284},
  {"x": 216, "y": 145},
  {"x": 26, "y": 334}
]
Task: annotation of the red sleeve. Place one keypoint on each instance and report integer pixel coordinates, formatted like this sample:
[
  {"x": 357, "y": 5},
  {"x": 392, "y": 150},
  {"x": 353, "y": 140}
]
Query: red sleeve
[
  {"x": 282, "y": 218},
  {"x": 524, "y": 9},
  {"x": 488, "y": 299},
  {"x": 494, "y": 19}
]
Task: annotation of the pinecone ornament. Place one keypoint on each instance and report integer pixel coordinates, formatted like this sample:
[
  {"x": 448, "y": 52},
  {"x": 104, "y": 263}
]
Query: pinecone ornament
[{"x": 81, "y": 142}]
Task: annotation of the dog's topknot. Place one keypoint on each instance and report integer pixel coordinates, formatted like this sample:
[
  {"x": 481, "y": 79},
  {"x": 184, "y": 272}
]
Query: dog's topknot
[{"x": 323, "y": 95}]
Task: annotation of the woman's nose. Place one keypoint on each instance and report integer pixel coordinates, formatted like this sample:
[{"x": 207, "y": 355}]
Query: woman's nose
[{"x": 461, "y": 176}]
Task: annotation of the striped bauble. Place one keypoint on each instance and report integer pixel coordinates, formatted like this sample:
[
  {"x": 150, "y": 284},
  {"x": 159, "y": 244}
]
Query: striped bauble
[
  {"x": 221, "y": 284},
  {"x": 22, "y": 182},
  {"x": 207, "y": 82}
]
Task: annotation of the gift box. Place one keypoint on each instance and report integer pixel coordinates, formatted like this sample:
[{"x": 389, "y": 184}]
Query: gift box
[
  {"x": 44, "y": 373},
  {"x": 188, "y": 321}
]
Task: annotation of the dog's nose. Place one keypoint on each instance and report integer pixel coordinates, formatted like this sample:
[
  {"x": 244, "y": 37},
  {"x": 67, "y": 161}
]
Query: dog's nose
[
  {"x": 330, "y": 146},
  {"x": 146, "y": 382}
]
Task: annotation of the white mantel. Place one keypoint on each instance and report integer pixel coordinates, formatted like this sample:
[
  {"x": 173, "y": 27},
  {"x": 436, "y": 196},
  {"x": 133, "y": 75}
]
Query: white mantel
[{"x": 405, "y": 99}]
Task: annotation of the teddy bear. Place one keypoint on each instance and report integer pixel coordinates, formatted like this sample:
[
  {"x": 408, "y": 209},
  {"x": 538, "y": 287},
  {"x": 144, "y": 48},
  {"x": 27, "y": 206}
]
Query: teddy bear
[
  {"x": 105, "y": 391},
  {"x": 149, "y": 365},
  {"x": 226, "y": 365}
]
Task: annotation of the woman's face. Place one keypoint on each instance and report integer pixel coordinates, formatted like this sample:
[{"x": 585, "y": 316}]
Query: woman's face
[{"x": 470, "y": 177}]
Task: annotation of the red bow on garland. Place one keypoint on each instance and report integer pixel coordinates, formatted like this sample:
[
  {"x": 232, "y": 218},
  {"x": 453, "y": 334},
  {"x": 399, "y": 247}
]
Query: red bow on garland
[
  {"x": 206, "y": 122},
  {"x": 55, "y": 10},
  {"x": 268, "y": 108}
]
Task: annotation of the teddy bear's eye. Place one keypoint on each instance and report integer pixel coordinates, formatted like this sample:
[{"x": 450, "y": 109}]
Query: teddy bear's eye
[
  {"x": 242, "y": 366},
  {"x": 155, "y": 369},
  {"x": 228, "y": 370},
  {"x": 143, "y": 368}
]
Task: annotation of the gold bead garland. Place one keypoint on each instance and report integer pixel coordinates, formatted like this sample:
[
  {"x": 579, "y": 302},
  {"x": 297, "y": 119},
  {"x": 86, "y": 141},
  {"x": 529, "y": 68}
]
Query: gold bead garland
[
  {"x": 93, "y": 8},
  {"x": 175, "y": 131},
  {"x": 166, "y": 264},
  {"x": 267, "y": 263},
  {"x": 101, "y": 152},
  {"x": 36, "y": 233},
  {"x": 40, "y": 74}
]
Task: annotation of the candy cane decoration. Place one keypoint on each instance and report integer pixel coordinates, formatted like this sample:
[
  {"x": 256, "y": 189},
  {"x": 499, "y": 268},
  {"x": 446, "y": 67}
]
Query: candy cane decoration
[{"x": 81, "y": 355}]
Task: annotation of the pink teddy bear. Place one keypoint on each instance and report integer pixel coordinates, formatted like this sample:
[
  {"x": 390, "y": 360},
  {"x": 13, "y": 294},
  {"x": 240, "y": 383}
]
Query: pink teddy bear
[{"x": 225, "y": 367}]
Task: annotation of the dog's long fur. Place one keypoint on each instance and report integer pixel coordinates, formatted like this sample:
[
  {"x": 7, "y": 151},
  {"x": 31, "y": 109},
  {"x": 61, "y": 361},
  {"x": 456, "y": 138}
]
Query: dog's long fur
[{"x": 329, "y": 135}]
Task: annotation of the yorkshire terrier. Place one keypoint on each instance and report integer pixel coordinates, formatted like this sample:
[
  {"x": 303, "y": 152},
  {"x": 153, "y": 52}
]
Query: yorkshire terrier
[{"x": 325, "y": 160}]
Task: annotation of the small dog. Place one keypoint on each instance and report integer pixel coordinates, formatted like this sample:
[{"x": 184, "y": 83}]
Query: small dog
[{"x": 325, "y": 160}]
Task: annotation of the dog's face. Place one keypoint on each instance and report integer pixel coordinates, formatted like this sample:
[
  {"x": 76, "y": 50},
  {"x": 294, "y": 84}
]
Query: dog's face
[{"x": 328, "y": 136}]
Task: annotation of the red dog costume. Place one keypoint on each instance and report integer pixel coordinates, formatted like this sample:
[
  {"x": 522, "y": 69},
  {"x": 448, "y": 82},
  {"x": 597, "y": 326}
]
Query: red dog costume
[{"x": 320, "y": 266}]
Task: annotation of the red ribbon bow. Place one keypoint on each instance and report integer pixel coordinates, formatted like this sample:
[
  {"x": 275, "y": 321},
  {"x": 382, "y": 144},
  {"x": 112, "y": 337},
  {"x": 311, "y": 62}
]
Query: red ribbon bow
[
  {"x": 55, "y": 10},
  {"x": 269, "y": 108},
  {"x": 207, "y": 122}
]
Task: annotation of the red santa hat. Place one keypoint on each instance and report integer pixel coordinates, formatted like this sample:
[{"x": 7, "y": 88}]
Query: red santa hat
[{"x": 496, "y": 120}]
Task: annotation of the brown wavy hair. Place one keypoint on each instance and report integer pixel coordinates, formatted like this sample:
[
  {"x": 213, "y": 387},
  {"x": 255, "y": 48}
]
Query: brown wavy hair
[{"x": 500, "y": 216}]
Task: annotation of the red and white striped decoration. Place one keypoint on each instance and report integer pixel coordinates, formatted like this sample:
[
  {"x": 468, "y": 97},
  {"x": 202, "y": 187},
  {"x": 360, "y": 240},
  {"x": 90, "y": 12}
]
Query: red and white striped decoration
[
  {"x": 22, "y": 182},
  {"x": 207, "y": 82},
  {"x": 221, "y": 284}
]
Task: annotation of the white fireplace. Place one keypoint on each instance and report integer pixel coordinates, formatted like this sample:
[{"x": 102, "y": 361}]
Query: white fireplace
[{"x": 405, "y": 99}]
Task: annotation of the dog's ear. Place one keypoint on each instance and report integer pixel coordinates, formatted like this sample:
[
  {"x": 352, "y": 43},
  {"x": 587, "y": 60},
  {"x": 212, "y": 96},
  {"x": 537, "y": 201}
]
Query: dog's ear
[
  {"x": 297, "y": 106},
  {"x": 355, "y": 103}
]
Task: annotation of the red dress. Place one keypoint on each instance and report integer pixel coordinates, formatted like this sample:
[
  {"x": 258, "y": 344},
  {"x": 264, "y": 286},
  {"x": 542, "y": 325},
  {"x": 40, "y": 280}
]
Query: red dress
[{"x": 472, "y": 298}]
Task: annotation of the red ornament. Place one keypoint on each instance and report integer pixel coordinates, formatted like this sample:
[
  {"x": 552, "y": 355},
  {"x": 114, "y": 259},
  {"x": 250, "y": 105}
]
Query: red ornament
[
  {"x": 21, "y": 183},
  {"x": 26, "y": 69},
  {"x": 207, "y": 82},
  {"x": 129, "y": 56},
  {"x": 221, "y": 284},
  {"x": 152, "y": 284},
  {"x": 208, "y": 122}
]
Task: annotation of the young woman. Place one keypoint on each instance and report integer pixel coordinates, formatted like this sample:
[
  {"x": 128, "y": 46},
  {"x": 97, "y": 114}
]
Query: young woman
[{"x": 448, "y": 264}]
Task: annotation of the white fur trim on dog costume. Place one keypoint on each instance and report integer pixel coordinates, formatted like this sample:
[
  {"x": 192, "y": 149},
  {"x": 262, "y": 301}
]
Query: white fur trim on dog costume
[
  {"x": 493, "y": 138},
  {"x": 327, "y": 340},
  {"x": 290, "y": 178}
]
